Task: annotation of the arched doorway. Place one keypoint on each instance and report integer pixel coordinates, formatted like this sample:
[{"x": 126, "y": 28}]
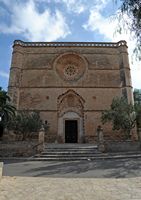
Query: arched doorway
[
  {"x": 70, "y": 128},
  {"x": 70, "y": 117}
]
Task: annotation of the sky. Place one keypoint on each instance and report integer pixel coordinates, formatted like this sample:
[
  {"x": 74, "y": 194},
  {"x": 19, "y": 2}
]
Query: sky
[{"x": 60, "y": 20}]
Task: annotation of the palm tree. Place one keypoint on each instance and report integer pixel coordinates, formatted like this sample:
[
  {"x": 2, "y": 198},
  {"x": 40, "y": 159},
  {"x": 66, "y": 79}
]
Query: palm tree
[{"x": 7, "y": 111}]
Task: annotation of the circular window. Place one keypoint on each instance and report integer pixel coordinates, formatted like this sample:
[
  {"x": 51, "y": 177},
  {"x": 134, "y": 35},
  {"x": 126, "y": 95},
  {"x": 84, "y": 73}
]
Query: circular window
[
  {"x": 70, "y": 70},
  {"x": 70, "y": 66}
]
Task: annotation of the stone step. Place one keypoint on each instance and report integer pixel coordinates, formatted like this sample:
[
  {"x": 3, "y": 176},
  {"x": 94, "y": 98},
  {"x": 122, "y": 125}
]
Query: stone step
[
  {"x": 91, "y": 154},
  {"x": 69, "y": 145},
  {"x": 53, "y": 145},
  {"x": 95, "y": 153},
  {"x": 91, "y": 158},
  {"x": 69, "y": 153},
  {"x": 62, "y": 159},
  {"x": 71, "y": 148}
]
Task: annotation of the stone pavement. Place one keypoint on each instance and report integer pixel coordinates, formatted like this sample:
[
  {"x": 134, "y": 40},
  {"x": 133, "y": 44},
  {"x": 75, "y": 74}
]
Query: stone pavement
[
  {"x": 43, "y": 188},
  {"x": 115, "y": 168}
]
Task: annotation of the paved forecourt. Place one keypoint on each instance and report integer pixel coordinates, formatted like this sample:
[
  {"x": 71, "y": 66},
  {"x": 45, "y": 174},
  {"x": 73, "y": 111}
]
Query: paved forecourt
[
  {"x": 112, "y": 168},
  {"x": 41, "y": 188}
]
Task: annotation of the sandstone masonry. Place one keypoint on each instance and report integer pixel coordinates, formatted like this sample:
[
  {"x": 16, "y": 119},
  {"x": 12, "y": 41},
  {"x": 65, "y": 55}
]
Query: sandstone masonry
[{"x": 70, "y": 84}]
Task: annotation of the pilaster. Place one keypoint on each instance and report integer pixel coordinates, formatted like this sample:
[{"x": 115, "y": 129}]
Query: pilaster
[
  {"x": 125, "y": 73},
  {"x": 15, "y": 74}
]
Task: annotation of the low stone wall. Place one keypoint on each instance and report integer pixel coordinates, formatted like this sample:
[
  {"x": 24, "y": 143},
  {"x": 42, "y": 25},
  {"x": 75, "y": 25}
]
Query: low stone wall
[
  {"x": 10, "y": 136},
  {"x": 90, "y": 139},
  {"x": 123, "y": 146},
  {"x": 50, "y": 138},
  {"x": 17, "y": 148}
]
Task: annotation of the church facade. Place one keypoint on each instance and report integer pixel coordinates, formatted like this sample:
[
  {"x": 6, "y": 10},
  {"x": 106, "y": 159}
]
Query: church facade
[{"x": 70, "y": 84}]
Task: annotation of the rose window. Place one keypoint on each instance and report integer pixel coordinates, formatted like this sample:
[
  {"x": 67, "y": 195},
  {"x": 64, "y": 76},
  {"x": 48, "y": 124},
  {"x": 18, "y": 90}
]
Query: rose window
[
  {"x": 70, "y": 66},
  {"x": 70, "y": 70}
]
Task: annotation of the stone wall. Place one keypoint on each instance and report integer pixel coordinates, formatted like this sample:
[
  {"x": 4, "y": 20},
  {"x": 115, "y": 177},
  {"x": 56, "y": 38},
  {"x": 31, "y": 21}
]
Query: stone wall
[
  {"x": 17, "y": 148},
  {"x": 95, "y": 72},
  {"x": 123, "y": 146}
]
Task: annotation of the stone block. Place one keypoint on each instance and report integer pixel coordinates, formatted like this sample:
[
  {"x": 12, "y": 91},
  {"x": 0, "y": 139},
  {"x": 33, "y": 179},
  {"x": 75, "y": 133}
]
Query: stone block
[{"x": 1, "y": 168}]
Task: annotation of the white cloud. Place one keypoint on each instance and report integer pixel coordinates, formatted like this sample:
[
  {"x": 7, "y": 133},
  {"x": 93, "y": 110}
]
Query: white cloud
[
  {"x": 77, "y": 6},
  {"x": 106, "y": 27},
  {"x": 80, "y": 6},
  {"x": 36, "y": 26},
  {"x": 4, "y": 74}
]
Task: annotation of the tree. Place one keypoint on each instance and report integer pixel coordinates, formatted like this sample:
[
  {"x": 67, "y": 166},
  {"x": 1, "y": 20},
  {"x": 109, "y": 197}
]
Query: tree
[
  {"x": 25, "y": 123},
  {"x": 137, "y": 100},
  {"x": 7, "y": 111},
  {"x": 121, "y": 114},
  {"x": 137, "y": 96},
  {"x": 132, "y": 8}
]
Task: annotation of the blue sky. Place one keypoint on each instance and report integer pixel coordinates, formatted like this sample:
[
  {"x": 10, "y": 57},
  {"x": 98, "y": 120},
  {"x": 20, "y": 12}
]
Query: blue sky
[{"x": 59, "y": 20}]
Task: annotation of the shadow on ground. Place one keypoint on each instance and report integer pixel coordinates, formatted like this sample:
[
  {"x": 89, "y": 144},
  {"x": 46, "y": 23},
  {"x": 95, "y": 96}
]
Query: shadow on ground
[{"x": 120, "y": 168}]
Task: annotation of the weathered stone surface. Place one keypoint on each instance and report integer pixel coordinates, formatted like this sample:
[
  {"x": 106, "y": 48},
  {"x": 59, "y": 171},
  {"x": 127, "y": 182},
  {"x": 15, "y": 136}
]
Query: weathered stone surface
[
  {"x": 42, "y": 188},
  {"x": 17, "y": 148},
  {"x": 41, "y": 140},
  {"x": 9, "y": 136},
  {"x": 122, "y": 146},
  {"x": 1, "y": 168},
  {"x": 41, "y": 73}
]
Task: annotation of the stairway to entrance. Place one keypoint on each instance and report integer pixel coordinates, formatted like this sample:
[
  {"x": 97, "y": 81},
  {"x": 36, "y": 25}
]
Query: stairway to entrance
[{"x": 54, "y": 152}]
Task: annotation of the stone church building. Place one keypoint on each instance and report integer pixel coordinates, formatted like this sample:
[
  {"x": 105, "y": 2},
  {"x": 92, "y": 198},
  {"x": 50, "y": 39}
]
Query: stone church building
[{"x": 70, "y": 84}]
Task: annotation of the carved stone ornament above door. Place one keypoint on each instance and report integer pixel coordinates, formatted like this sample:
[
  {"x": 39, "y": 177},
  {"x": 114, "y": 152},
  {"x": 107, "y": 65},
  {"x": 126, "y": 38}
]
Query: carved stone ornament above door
[{"x": 70, "y": 101}]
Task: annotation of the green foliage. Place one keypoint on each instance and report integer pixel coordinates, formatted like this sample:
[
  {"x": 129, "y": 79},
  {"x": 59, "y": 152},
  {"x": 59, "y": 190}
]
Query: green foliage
[
  {"x": 137, "y": 100},
  {"x": 137, "y": 96},
  {"x": 7, "y": 111},
  {"x": 25, "y": 123},
  {"x": 121, "y": 114},
  {"x": 132, "y": 8}
]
